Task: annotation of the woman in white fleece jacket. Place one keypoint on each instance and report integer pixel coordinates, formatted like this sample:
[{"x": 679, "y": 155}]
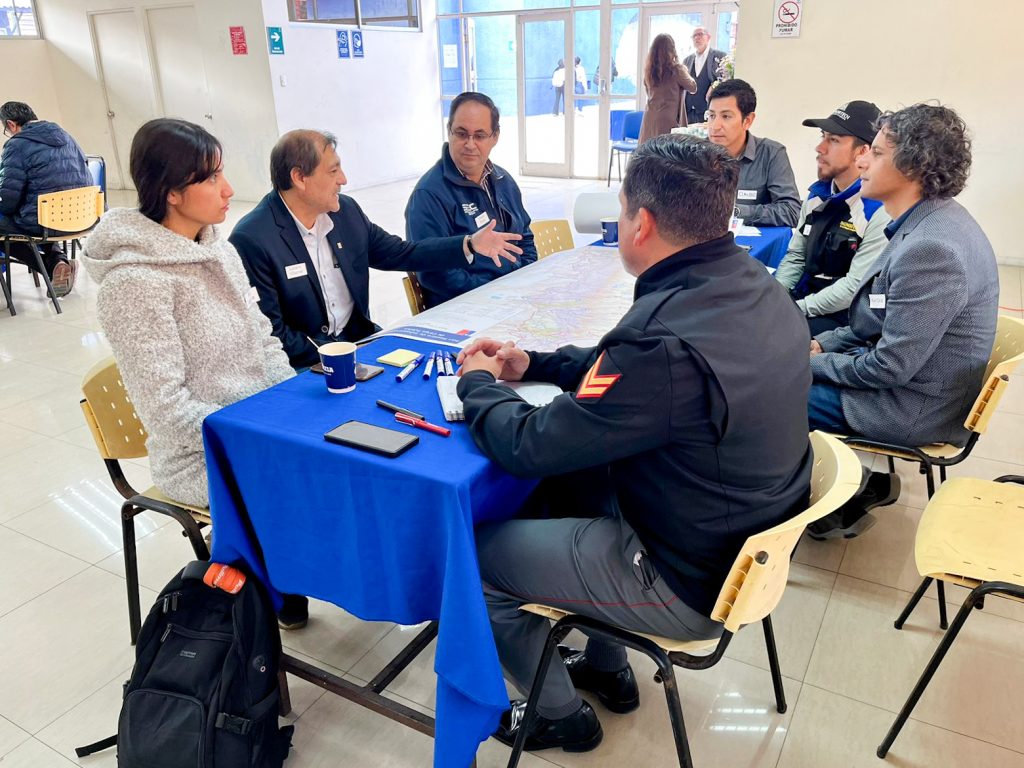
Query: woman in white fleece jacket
[{"x": 175, "y": 303}]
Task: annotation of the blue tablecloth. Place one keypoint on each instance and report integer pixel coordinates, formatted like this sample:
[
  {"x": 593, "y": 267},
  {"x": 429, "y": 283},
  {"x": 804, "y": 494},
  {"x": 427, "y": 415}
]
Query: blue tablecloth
[
  {"x": 770, "y": 247},
  {"x": 386, "y": 539}
]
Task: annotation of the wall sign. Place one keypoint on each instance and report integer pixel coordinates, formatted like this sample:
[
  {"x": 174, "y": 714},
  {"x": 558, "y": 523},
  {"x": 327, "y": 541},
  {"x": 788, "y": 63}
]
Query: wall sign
[
  {"x": 275, "y": 39},
  {"x": 787, "y": 18},
  {"x": 357, "y": 43},
  {"x": 343, "y": 49},
  {"x": 239, "y": 47}
]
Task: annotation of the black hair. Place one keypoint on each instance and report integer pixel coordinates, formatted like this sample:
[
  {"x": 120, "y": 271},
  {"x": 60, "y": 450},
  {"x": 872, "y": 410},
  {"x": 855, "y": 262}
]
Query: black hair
[
  {"x": 687, "y": 184},
  {"x": 746, "y": 99},
  {"x": 478, "y": 98},
  {"x": 18, "y": 112},
  {"x": 300, "y": 149},
  {"x": 168, "y": 155}
]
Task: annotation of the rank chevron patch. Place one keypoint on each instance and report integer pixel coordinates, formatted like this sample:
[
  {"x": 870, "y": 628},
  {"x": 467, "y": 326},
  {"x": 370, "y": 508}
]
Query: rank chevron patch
[{"x": 594, "y": 384}]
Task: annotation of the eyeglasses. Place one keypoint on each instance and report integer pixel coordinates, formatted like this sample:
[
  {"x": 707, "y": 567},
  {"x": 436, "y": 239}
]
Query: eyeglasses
[{"x": 464, "y": 135}]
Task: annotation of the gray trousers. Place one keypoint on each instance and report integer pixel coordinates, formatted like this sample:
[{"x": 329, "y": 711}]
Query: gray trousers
[{"x": 594, "y": 567}]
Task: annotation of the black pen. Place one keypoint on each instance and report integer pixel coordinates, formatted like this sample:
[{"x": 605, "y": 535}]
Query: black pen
[{"x": 399, "y": 409}]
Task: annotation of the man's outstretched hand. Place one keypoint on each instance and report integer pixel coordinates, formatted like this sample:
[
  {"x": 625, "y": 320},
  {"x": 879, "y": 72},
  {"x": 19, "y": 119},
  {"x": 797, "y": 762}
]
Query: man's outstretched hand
[{"x": 495, "y": 245}]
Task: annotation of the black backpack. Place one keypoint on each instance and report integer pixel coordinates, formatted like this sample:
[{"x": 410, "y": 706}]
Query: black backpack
[{"x": 204, "y": 690}]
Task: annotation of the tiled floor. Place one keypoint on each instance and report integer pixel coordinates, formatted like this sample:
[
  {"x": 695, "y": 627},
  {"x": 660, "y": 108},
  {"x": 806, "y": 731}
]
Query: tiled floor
[{"x": 63, "y": 633}]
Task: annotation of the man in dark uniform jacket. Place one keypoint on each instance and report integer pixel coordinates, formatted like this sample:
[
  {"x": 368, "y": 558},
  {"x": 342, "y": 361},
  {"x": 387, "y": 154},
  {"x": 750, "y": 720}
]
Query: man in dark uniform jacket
[
  {"x": 308, "y": 250},
  {"x": 703, "y": 66},
  {"x": 680, "y": 434}
]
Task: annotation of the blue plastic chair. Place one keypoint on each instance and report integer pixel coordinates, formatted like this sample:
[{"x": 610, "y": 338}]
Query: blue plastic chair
[
  {"x": 98, "y": 169},
  {"x": 625, "y": 144}
]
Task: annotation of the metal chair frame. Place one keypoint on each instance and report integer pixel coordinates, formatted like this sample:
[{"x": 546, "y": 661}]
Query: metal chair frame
[
  {"x": 1007, "y": 354},
  {"x": 618, "y": 152},
  {"x": 975, "y": 599},
  {"x": 123, "y": 441},
  {"x": 64, "y": 216},
  {"x": 752, "y": 589}
]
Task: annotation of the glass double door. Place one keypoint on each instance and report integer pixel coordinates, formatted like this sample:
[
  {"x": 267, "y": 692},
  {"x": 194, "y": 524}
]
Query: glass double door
[{"x": 557, "y": 114}]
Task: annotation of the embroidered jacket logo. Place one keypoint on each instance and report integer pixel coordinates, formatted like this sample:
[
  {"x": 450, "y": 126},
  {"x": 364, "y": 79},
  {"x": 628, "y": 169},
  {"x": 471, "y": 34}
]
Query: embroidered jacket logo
[{"x": 470, "y": 209}]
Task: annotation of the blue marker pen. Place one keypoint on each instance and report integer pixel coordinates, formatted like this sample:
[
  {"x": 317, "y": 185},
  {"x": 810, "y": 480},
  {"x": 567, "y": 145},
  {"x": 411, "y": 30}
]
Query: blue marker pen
[{"x": 404, "y": 373}]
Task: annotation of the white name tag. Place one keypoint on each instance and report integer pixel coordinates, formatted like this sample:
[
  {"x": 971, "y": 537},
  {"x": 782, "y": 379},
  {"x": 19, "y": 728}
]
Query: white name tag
[
  {"x": 746, "y": 194},
  {"x": 876, "y": 300},
  {"x": 482, "y": 219},
  {"x": 807, "y": 230},
  {"x": 252, "y": 296},
  {"x": 295, "y": 270}
]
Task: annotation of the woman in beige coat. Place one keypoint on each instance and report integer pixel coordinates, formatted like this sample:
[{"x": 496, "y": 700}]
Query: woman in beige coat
[{"x": 665, "y": 80}]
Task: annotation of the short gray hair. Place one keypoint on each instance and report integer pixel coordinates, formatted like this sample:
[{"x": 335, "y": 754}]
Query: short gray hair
[
  {"x": 687, "y": 184},
  {"x": 932, "y": 147},
  {"x": 301, "y": 149}
]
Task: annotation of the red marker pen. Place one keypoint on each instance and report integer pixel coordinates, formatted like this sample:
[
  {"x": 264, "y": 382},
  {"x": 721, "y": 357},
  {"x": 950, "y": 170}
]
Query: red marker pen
[{"x": 402, "y": 418}]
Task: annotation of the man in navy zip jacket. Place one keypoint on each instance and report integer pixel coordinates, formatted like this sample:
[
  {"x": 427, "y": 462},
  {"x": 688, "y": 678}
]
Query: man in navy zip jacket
[
  {"x": 462, "y": 193},
  {"x": 39, "y": 157}
]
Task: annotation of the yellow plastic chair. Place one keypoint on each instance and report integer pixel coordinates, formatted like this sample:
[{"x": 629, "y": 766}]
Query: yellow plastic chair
[
  {"x": 751, "y": 592},
  {"x": 1007, "y": 354},
  {"x": 970, "y": 534},
  {"x": 119, "y": 434},
  {"x": 64, "y": 216},
  {"x": 413, "y": 293},
  {"x": 551, "y": 236}
]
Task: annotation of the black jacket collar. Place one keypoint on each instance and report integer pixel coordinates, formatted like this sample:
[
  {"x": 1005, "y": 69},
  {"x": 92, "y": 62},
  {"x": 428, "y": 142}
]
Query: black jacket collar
[{"x": 667, "y": 272}]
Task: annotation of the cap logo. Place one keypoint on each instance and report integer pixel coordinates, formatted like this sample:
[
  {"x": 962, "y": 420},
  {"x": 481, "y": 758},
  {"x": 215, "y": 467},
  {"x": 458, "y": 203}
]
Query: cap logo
[{"x": 841, "y": 114}]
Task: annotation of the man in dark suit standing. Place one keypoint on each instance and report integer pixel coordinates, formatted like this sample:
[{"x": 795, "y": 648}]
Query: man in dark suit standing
[
  {"x": 308, "y": 249},
  {"x": 702, "y": 64}
]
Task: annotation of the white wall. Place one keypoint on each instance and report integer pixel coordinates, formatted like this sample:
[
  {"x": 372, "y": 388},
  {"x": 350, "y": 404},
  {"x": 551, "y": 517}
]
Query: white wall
[
  {"x": 384, "y": 109},
  {"x": 896, "y": 54},
  {"x": 244, "y": 118},
  {"x": 27, "y": 77}
]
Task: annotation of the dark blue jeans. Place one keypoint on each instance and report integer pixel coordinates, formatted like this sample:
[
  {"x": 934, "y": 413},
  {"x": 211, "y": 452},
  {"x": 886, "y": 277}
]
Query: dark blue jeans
[{"x": 825, "y": 409}]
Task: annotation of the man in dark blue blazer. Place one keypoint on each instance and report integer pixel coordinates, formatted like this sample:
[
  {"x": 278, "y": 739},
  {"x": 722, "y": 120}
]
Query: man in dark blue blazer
[{"x": 307, "y": 249}]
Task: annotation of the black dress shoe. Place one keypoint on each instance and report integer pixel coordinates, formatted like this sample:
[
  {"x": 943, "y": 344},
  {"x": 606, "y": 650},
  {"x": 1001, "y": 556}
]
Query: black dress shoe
[
  {"x": 852, "y": 519},
  {"x": 294, "y": 614},
  {"x": 617, "y": 691},
  {"x": 578, "y": 732}
]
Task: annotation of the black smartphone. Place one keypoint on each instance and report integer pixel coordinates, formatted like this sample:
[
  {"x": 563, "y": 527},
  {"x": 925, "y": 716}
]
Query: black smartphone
[
  {"x": 368, "y": 437},
  {"x": 364, "y": 372}
]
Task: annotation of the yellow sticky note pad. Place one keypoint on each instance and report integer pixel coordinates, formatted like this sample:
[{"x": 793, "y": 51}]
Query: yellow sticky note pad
[{"x": 399, "y": 358}]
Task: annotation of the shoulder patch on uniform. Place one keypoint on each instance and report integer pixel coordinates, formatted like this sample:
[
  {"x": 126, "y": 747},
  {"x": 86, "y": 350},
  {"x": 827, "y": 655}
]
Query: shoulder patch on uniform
[{"x": 596, "y": 384}]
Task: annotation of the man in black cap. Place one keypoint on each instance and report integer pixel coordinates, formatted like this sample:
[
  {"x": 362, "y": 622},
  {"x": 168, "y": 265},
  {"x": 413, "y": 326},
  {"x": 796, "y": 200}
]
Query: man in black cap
[{"x": 840, "y": 234}]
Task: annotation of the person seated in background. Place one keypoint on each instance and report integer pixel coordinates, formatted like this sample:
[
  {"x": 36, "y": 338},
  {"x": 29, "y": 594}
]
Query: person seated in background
[
  {"x": 767, "y": 195},
  {"x": 666, "y": 82},
  {"x": 39, "y": 157},
  {"x": 907, "y": 368},
  {"x": 308, "y": 249},
  {"x": 177, "y": 308},
  {"x": 840, "y": 233},
  {"x": 465, "y": 192},
  {"x": 660, "y": 456}
]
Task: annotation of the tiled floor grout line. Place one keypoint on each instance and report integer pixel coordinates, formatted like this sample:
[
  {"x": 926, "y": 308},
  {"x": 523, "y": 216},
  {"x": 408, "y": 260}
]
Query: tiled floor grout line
[
  {"x": 913, "y": 719},
  {"x": 113, "y": 726}
]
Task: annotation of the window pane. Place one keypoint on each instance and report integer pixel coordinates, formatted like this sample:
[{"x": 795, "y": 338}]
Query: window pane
[
  {"x": 394, "y": 13},
  {"x": 335, "y": 9},
  {"x": 625, "y": 37},
  {"x": 586, "y": 130},
  {"x": 449, "y": 34},
  {"x": 491, "y": 60},
  {"x": 725, "y": 37},
  {"x": 474, "y": 6},
  {"x": 543, "y": 52},
  {"x": 17, "y": 19}
]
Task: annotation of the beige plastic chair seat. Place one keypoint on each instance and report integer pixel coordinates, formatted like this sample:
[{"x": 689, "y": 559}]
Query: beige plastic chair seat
[
  {"x": 935, "y": 450},
  {"x": 202, "y": 514},
  {"x": 666, "y": 644},
  {"x": 973, "y": 531}
]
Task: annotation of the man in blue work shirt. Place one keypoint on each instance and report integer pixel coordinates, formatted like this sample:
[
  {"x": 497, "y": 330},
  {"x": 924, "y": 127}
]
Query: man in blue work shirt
[
  {"x": 462, "y": 193},
  {"x": 840, "y": 234}
]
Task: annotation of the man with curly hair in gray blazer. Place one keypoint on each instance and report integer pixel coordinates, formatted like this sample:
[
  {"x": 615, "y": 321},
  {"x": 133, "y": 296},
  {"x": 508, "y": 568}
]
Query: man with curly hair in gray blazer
[{"x": 922, "y": 324}]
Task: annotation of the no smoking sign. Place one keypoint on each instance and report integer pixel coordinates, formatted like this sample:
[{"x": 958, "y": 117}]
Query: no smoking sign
[{"x": 786, "y": 21}]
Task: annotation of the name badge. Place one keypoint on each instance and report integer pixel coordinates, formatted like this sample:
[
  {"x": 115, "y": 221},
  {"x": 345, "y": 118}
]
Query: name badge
[
  {"x": 876, "y": 300},
  {"x": 746, "y": 194},
  {"x": 295, "y": 270},
  {"x": 482, "y": 219},
  {"x": 252, "y": 296},
  {"x": 807, "y": 230}
]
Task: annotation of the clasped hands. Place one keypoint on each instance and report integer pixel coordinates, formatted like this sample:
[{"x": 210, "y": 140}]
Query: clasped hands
[
  {"x": 495, "y": 245},
  {"x": 503, "y": 361}
]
